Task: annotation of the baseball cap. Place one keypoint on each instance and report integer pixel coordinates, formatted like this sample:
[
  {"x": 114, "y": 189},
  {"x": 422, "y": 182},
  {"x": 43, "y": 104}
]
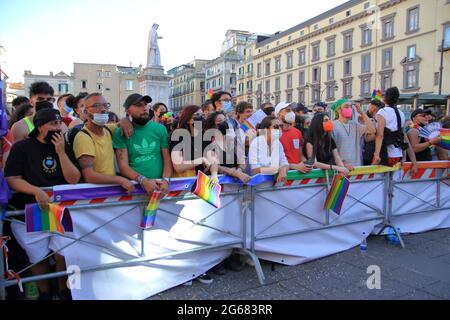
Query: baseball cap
[
  {"x": 301, "y": 108},
  {"x": 136, "y": 98},
  {"x": 42, "y": 117},
  {"x": 339, "y": 104},
  {"x": 281, "y": 106},
  {"x": 417, "y": 112}
]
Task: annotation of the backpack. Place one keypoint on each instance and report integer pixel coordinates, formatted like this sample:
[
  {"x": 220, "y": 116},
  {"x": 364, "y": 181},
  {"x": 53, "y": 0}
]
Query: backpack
[
  {"x": 70, "y": 135},
  {"x": 396, "y": 138}
]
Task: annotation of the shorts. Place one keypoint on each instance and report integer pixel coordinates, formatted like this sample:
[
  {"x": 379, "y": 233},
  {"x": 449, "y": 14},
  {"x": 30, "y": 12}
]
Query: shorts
[
  {"x": 37, "y": 245},
  {"x": 393, "y": 161}
]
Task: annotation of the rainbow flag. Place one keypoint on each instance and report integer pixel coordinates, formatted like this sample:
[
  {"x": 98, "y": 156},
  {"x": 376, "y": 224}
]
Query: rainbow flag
[
  {"x": 210, "y": 94},
  {"x": 148, "y": 220},
  {"x": 202, "y": 188},
  {"x": 247, "y": 126},
  {"x": 55, "y": 218},
  {"x": 445, "y": 139},
  {"x": 377, "y": 95},
  {"x": 337, "y": 193}
]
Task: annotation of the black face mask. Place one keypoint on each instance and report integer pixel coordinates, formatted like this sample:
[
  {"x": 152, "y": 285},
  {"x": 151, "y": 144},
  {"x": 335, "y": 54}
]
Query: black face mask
[
  {"x": 141, "y": 121},
  {"x": 50, "y": 134},
  {"x": 422, "y": 125},
  {"x": 42, "y": 105}
]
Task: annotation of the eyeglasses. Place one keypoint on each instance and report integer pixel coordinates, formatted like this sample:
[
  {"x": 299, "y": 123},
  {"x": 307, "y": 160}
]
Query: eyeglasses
[
  {"x": 106, "y": 105},
  {"x": 49, "y": 99},
  {"x": 277, "y": 126}
]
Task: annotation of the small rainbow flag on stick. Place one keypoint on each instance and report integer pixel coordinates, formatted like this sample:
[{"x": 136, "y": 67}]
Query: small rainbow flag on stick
[
  {"x": 377, "y": 95},
  {"x": 203, "y": 189},
  {"x": 148, "y": 220},
  {"x": 55, "y": 218},
  {"x": 210, "y": 94},
  {"x": 337, "y": 193},
  {"x": 445, "y": 139}
]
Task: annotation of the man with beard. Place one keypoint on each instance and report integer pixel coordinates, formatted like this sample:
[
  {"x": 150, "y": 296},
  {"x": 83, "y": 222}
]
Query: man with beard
[
  {"x": 34, "y": 163},
  {"x": 93, "y": 145},
  {"x": 41, "y": 97},
  {"x": 145, "y": 156}
]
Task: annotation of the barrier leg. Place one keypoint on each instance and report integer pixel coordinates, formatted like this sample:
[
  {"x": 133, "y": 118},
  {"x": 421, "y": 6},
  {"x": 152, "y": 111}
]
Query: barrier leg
[{"x": 387, "y": 223}]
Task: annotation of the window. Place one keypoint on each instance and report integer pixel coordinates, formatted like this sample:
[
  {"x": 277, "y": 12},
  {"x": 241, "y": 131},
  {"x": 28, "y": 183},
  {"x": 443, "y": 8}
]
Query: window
[
  {"x": 366, "y": 37},
  {"x": 331, "y": 20},
  {"x": 301, "y": 78},
  {"x": 347, "y": 67},
  {"x": 386, "y": 82},
  {"x": 348, "y": 40},
  {"x": 258, "y": 69},
  {"x": 316, "y": 26},
  {"x": 387, "y": 32},
  {"x": 289, "y": 60},
  {"x": 365, "y": 86},
  {"x": 348, "y": 13},
  {"x": 330, "y": 91},
  {"x": 447, "y": 36},
  {"x": 220, "y": 82},
  {"x": 289, "y": 97},
  {"x": 315, "y": 51},
  {"x": 83, "y": 84},
  {"x": 108, "y": 74},
  {"x": 413, "y": 20},
  {"x": 267, "y": 86},
  {"x": 365, "y": 63},
  {"x": 301, "y": 96},
  {"x": 347, "y": 89},
  {"x": 99, "y": 73},
  {"x": 277, "y": 84},
  {"x": 99, "y": 86},
  {"x": 331, "y": 47},
  {"x": 267, "y": 68},
  {"x": 412, "y": 52},
  {"x": 289, "y": 81},
  {"x": 411, "y": 77},
  {"x": 302, "y": 56},
  {"x": 330, "y": 71},
  {"x": 436, "y": 78},
  {"x": 366, "y": 5},
  {"x": 387, "y": 58},
  {"x": 316, "y": 74},
  {"x": 277, "y": 64},
  {"x": 63, "y": 87}
]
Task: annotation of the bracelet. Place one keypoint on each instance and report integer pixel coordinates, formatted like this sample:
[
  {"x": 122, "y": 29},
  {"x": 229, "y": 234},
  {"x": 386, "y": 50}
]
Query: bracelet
[
  {"x": 140, "y": 179},
  {"x": 166, "y": 179}
]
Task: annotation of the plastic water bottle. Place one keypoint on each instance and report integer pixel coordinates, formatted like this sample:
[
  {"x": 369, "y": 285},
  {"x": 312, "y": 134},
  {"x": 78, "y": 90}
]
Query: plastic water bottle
[
  {"x": 390, "y": 236},
  {"x": 396, "y": 239},
  {"x": 363, "y": 245}
]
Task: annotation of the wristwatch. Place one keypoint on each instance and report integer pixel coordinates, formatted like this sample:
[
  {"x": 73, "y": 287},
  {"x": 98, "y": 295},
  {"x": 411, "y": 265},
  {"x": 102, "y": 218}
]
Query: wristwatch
[{"x": 166, "y": 179}]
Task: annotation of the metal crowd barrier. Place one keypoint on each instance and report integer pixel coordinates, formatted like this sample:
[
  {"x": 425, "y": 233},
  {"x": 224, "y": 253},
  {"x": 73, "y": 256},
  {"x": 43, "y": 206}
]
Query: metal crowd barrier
[{"x": 302, "y": 196}]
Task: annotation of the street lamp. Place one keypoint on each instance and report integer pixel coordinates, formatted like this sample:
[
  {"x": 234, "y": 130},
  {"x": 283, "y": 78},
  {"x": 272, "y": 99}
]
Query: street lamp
[{"x": 336, "y": 88}]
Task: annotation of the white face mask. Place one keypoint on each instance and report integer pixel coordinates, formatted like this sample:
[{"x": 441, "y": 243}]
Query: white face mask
[
  {"x": 290, "y": 117},
  {"x": 276, "y": 134},
  {"x": 100, "y": 119}
]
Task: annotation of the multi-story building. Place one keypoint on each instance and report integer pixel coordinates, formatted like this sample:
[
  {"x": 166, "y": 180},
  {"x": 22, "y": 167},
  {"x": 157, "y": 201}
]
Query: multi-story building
[
  {"x": 245, "y": 72},
  {"x": 61, "y": 82},
  {"x": 353, "y": 48},
  {"x": 187, "y": 84},
  {"x": 116, "y": 83},
  {"x": 221, "y": 72}
]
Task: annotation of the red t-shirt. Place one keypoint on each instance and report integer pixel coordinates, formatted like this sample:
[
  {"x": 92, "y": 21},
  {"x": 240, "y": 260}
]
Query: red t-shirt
[
  {"x": 67, "y": 120},
  {"x": 292, "y": 141}
]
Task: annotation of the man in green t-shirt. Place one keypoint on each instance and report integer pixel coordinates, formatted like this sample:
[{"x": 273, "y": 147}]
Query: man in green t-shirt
[{"x": 144, "y": 157}]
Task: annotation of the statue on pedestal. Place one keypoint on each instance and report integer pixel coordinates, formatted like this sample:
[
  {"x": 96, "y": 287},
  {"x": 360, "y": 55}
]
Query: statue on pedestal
[{"x": 153, "y": 55}]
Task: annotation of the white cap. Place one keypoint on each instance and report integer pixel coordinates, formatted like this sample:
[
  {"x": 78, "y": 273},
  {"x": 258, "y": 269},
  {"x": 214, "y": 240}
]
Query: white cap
[{"x": 281, "y": 106}]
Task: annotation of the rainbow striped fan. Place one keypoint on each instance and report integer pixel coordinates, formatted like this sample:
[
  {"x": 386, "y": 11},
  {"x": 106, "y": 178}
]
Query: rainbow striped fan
[
  {"x": 430, "y": 131},
  {"x": 445, "y": 139}
]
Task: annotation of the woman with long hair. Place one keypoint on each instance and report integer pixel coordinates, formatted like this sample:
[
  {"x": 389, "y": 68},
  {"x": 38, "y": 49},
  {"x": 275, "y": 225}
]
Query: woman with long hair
[
  {"x": 77, "y": 105},
  {"x": 214, "y": 119},
  {"x": 22, "y": 111},
  {"x": 266, "y": 154},
  {"x": 320, "y": 147},
  {"x": 159, "y": 109},
  {"x": 188, "y": 137}
]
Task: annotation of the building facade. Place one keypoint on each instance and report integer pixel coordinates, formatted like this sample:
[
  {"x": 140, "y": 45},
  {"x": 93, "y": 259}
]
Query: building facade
[
  {"x": 114, "y": 82},
  {"x": 220, "y": 73},
  {"x": 187, "y": 84},
  {"x": 352, "y": 49},
  {"x": 61, "y": 82}
]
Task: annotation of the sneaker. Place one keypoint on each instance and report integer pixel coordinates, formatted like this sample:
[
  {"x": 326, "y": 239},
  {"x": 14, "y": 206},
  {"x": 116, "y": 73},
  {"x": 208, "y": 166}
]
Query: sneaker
[
  {"x": 205, "y": 279},
  {"x": 188, "y": 283},
  {"x": 31, "y": 291}
]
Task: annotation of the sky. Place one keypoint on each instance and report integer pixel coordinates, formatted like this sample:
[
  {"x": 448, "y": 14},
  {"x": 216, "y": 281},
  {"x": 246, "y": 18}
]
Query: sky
[{"x": 50, "y": 35}]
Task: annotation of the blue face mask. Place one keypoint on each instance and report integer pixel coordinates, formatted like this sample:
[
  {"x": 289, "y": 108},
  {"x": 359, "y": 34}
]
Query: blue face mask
[
  {"x": 227, "y": 106},
  {"x": 67, "y": 108}
]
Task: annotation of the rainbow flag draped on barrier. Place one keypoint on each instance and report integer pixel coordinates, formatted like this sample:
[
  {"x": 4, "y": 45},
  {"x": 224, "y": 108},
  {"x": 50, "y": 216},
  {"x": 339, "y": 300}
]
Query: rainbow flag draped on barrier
[
  {"x": 149, "y": 217},
  {"x": 203, "y": 189},
  {"x": 337, "y": 193},
  {"x": 55, "y": 218},
  {"x": 445, "y": 139}
]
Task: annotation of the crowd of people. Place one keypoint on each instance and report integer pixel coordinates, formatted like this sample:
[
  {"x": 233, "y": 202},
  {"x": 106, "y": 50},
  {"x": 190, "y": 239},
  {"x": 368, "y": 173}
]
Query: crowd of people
[{"x": 80, "y": 140}]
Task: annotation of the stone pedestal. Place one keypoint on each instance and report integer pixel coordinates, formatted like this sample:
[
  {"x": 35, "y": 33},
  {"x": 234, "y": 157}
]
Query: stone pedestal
[{"x": 155, "y": 83}]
